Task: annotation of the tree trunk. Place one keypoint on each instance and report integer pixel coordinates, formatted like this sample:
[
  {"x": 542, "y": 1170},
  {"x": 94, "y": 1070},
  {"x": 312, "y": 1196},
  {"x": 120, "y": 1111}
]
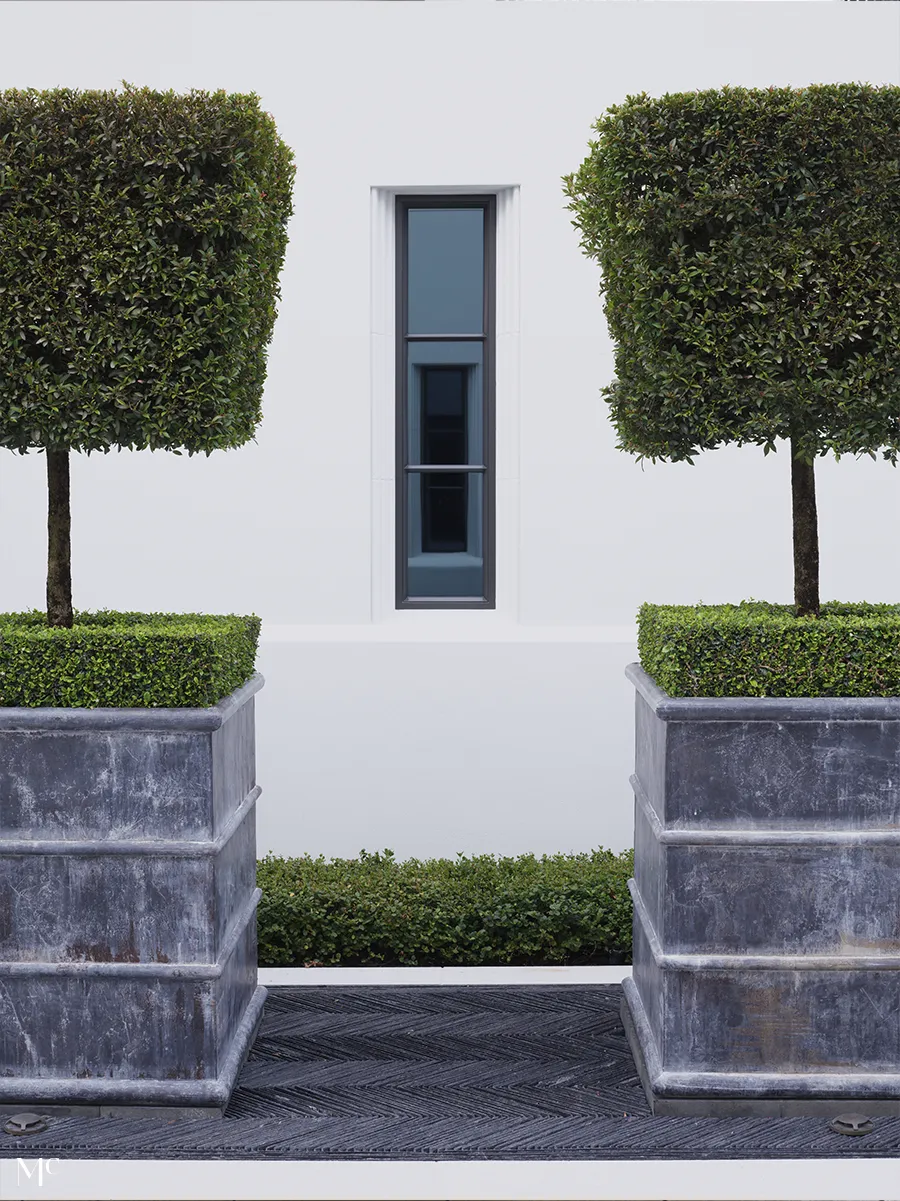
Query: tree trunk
[
  {"x": 59, "y": 550},
  {"x": 806, "y": 536}
]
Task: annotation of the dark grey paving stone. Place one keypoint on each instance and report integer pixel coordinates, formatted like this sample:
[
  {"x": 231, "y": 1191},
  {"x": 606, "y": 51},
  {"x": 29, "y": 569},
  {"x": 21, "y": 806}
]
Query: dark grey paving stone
[{"x": 536, "y": 1072}]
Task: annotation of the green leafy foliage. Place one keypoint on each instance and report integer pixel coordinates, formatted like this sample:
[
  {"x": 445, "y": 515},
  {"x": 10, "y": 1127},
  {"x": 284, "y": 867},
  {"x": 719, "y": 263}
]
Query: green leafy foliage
[
  {"x": 468, "y": 911},
  {"x": 749, "y": 243},
  {"x": 125, "y": 660},
  {"x": 761, "y": 649},
  {"x": 141, "y": 239}
]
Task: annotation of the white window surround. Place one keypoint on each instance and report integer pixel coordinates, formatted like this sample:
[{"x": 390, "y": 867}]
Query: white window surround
[{"x": 383, "y": 416}]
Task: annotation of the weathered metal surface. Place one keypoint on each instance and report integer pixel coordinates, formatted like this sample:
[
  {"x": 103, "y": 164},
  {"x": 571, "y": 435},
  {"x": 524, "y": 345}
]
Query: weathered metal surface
[
  {"x": 768, "y": 763},
  {"x": 766, "y": 959},
  {"x": 127, "y": 903},
  {"x": 752, "y": 898}
]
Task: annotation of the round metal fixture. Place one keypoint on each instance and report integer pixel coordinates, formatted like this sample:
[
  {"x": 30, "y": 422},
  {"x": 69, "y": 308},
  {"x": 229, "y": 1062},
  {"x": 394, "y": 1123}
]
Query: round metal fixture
[
  {"x": 851, "y": 1123},
  {"x": 25, "y": 1123}
]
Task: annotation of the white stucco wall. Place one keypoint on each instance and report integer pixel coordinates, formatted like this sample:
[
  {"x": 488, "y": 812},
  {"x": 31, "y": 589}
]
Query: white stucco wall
[{"x": 438, "y": 732}]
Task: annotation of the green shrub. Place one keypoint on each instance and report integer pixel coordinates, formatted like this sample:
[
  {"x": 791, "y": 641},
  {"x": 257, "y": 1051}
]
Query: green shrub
[
  {"x": 761, "y": 649},
  {"x": 443, "y": 912},
  {"x": 124, "y": 660},
  {"x": 748, "y": 240},
  {"x": 143, "y": 237},
  {"x": 143, "y": 234},
  {"x": 749, "y": 247}
]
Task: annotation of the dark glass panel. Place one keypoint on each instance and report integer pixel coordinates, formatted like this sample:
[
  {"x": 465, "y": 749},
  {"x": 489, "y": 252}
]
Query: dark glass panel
[
  {"x": 444, "y": 510},
  {"x": 445, "y": 522},
  {"x": 444, "y": 414}
]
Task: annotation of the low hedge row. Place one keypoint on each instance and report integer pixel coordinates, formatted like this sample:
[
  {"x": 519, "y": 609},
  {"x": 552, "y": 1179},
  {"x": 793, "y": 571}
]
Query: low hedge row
[{"x": 559, "y": 909}]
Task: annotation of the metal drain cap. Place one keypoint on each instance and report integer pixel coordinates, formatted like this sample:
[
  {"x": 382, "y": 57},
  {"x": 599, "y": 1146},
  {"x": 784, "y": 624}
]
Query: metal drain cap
[
  {"x": 25, "y": 1123},
  {"x": 851, "y": 1123}
]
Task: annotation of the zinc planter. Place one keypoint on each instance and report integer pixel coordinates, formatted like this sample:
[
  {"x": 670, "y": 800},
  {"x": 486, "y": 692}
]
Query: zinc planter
[
  {"x": 128, "y": 900},
  {"x": 766, "y": 965}
]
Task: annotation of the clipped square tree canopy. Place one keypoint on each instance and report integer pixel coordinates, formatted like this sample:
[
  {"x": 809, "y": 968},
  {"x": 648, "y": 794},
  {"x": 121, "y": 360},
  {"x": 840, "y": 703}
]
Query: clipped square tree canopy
[
  {"x": 141, "y": 238},
  {"x": 749, "y": 241}
]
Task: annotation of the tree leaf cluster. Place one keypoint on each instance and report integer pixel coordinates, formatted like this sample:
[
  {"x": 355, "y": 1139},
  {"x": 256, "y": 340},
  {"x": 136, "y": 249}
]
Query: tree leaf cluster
[
  {"x": 141, "y": 239},
  {"x": 749, "y": 246}
]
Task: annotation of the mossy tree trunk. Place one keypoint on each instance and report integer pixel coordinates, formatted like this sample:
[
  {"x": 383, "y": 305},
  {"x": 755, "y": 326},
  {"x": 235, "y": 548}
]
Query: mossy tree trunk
[
  {"x": 806, "y": 536},
  {"x": 59, "y": 549}
]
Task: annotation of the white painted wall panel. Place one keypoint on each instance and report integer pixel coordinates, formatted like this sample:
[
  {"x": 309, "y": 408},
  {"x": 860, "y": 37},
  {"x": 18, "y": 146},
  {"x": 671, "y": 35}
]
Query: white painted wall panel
[
  {"x": 435, "y": 732},
  {"x": 433, "y": 747}
]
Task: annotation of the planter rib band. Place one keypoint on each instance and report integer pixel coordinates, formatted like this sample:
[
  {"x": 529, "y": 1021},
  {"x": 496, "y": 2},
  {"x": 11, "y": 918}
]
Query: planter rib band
[
  {"x": 766, "y": 904},
  {"x": 128, "y": 902},
  {"x": 134, "y": 846},
  {"x": 690, "y": 963},
  {"x": 757, "y": 837},
  {"x": 162, "y": 719},
  {"x": 161, "y": 971},
  {"x": 770, "y": 708}
]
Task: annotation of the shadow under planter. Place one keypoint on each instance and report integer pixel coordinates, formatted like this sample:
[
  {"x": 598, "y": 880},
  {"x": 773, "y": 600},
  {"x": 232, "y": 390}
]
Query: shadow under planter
[
  {"x": 766, "y": 963},
  {"x": 128, "y": 957}
]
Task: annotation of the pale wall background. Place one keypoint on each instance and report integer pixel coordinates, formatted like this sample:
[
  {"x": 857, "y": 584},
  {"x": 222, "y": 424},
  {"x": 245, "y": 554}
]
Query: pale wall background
[{"x": 438, "y": 732}]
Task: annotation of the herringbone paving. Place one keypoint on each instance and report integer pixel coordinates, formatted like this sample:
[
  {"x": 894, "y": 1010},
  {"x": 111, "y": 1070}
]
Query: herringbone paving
[{"x": 511, "y": 1072}]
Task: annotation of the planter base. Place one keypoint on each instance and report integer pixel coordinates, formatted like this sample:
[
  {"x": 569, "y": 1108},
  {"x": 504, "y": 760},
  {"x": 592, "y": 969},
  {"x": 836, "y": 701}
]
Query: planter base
[
  {"x": 709, "y": 1104},
  {"x": 138, "y": 1098}
]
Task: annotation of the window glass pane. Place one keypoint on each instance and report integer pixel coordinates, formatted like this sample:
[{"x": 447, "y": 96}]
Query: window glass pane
[
  {"x": 446, "y": 271},
  {"x": 445, "y": 554},
  {"x": 445, "y": 402}
]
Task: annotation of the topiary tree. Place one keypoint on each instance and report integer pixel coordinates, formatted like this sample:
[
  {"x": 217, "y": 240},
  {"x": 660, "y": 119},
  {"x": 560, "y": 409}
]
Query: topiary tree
[
  {"x": 141, "y": 239},
  {"x": 749, "y": 241}
]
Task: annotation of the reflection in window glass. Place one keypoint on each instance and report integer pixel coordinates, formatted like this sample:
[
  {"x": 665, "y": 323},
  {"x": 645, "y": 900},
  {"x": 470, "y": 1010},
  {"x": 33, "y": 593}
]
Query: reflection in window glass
[{"x": 446, "y": 271}]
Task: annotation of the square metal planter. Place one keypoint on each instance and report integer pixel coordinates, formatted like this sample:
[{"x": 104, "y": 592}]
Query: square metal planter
[
  {"x": 128, "y": 964},
  {"x": 766, "y": 964}
]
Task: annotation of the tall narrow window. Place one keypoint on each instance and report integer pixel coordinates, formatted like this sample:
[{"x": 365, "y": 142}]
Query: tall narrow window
[{"x": 445, "y": 394}]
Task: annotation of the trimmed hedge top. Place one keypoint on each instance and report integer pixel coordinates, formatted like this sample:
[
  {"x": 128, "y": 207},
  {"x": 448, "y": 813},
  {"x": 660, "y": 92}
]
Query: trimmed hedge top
[
  {"x": 468, "y": 911},
  {"x": 125, "y": 660},
  {"x": 761, "y": 649},
  {"x": 141, "y": 238},
  {"x": 749, "y": 242}
]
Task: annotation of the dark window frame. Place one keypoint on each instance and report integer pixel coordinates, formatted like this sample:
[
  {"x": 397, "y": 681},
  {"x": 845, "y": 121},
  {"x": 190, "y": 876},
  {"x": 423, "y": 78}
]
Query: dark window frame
[{"x": 488, "y": 203}]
